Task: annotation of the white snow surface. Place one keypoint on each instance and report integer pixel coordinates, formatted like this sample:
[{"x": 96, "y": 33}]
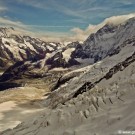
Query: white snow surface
[{"x": 66, "y": 54}]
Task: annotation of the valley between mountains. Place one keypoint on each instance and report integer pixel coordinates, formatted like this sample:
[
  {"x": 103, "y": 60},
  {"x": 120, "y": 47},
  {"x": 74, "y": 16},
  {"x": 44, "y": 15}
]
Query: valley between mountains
[{"x": 49, "y": 88}]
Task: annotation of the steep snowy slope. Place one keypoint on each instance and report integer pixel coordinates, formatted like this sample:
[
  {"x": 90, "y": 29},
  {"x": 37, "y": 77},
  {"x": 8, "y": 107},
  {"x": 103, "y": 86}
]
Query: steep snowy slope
[
  {"x": 105, "y": 41},
  {"x": 98, "y": 100},
  {"x": 86, "y": 78},
  {"x": 38, "y": 57}
]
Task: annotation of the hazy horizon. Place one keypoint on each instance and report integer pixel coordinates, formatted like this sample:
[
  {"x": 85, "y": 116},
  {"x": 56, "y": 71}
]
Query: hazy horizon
[{"x": 57, "y": 19}]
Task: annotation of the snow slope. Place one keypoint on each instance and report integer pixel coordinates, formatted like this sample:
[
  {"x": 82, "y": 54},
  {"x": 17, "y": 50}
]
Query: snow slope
[{"x": 102, "y": 43}]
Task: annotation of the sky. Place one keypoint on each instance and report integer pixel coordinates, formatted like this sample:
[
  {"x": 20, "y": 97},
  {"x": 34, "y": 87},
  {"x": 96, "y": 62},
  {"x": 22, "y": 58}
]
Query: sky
[{"x": 54, "y": 19}]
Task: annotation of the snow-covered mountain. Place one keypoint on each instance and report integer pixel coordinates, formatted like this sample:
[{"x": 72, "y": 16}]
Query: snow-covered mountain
[
  {"x": 107, "y": 41},
  {"x": 39, "y": 65},
  {"x": 95, "y": 99},
  {"x": 16, "y": 47}
]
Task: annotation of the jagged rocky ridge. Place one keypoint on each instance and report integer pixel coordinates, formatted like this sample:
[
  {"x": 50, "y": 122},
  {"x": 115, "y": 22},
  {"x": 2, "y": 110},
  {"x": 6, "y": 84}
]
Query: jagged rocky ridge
[{"x": 16, "y": 47}]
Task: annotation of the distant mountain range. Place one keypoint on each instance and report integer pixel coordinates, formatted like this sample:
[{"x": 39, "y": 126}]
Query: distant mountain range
[
  {"x": 36, "y": 54},
  {"x": 15, "y": 47}
]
